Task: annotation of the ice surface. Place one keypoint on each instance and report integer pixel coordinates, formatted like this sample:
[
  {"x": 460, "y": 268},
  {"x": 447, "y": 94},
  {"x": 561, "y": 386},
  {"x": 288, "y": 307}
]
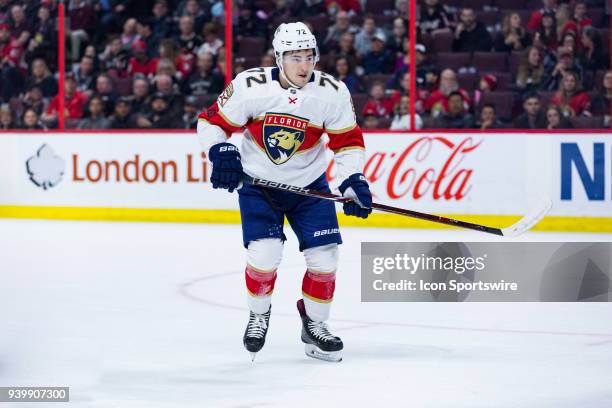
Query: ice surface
[{"x": 152, "y": 315}]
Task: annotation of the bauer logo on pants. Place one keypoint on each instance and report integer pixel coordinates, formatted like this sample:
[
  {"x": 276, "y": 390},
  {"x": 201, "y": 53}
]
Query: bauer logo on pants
[{"x": 283, "y": 135}]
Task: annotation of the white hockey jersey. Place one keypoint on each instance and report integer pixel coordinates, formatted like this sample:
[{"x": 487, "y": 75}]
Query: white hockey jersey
[{"x": 283, "y": 127}]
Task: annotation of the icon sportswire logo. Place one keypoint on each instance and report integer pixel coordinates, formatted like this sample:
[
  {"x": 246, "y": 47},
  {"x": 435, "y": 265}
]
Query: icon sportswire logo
[{"x": 45, "y": 168}]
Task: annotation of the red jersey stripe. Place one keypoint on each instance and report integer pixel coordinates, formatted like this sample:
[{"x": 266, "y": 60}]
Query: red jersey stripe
[
  {"x": 350, "y": 138},
  {"x": 215, "y": 117}
]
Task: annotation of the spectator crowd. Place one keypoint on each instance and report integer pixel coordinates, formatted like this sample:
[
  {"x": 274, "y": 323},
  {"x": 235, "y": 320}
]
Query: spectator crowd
[
  {"x": 158, "y": 63},
  {"x": 129, "y": 64},
  {"x": 527, "y": 64}
]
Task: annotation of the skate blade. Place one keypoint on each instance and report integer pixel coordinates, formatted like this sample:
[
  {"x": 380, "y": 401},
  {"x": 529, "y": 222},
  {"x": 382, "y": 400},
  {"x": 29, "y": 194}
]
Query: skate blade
[
  {"x": 253, "y": 355},
  {"x": 313, "y": 351}
]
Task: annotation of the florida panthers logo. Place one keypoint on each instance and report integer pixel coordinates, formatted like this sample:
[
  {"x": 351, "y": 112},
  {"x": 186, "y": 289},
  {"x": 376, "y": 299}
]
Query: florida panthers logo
[{"x": 283, "y": 135}]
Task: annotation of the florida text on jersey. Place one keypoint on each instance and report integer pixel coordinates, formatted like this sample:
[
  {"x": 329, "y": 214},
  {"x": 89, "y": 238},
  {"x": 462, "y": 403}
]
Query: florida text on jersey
[{"x": 283, "y": 127}]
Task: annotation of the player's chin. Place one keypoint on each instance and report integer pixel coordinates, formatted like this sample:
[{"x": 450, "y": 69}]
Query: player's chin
[{"x": 302, "y": 80}]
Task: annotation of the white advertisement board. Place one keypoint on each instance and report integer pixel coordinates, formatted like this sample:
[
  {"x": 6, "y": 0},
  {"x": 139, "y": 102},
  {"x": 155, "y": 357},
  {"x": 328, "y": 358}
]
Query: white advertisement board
[{"x": 450, "y": 173}]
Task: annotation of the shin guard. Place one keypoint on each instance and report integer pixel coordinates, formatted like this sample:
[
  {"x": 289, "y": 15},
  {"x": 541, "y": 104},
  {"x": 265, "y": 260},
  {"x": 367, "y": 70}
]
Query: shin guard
[
  {"x": 318, "y": 292},
  {"x": 260, "y": 286}
]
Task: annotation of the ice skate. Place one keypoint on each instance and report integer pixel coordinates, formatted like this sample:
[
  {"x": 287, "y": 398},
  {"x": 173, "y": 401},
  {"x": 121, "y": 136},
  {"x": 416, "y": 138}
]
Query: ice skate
[
  {"x": 255, "y": 333},
  {"x": 318, "y": 341}
]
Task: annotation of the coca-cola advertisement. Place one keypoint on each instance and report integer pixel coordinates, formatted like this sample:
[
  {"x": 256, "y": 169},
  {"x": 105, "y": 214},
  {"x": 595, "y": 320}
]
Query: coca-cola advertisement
[
  {"x": 451, "y": 173},
  {"x": 428, "y": 167}
]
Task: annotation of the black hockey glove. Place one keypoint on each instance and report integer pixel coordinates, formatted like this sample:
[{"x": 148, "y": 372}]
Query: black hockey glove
[
  {"x": 357, "y": 188},
  {"x": 226, "y": 166}
]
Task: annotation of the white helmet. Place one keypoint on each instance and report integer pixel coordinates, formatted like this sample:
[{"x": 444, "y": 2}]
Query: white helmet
[{"x": 293, "y": 37}]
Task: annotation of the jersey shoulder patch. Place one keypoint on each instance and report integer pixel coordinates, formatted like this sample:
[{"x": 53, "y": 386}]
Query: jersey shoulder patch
[{"x": 226, "y": 94}]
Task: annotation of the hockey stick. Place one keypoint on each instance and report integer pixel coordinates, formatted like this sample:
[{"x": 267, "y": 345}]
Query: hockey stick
[{"x": 524, "y": 224}]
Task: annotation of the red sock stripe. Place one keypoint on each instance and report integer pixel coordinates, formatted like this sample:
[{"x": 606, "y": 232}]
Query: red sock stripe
[
  {"x": 259, "y": 283},
  {"x": 319, "y": 286}
]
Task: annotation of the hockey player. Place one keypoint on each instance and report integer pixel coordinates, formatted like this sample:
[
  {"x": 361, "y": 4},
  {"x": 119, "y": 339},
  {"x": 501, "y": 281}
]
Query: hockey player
[{"x": 284, "y": 111}]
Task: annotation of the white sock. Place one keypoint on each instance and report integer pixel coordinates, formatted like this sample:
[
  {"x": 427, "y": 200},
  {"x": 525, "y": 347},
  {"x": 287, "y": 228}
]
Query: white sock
[
  {"x": 317, "y": 311},
  {"x": 259, "y": 304}
]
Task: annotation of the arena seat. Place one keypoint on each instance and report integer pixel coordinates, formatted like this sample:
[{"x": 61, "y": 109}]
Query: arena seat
[
  {"x": 453, "y": 60},
  {"x": 123, "y": 86},
  {"x": 514, "y": 60},
  {"x": 504, "y": 80},
  {"x": 251, "y": 47},
  {"x": 488, "y": 17},
  {"x": 359, "y": 101},
  {"x": 510, "y": 4},
  {"x": 442, "y": 40},
  {"x": 368, "y": 80},
  {"x": 379, "y": 6},
  {"x": 587, "y": 122},
  {"x": 503, "y": 102},
  {"x": 490, "y": 61},
  {"x": 319, "y": 24},
  {"x": 467, "y": 81}
]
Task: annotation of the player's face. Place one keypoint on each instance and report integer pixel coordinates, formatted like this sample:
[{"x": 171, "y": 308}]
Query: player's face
[{"x": 298, "y": 66}]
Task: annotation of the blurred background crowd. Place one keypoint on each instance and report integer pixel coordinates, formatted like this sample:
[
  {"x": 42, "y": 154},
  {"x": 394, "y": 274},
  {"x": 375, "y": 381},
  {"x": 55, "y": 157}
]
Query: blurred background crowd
[
  {"x": 530, "y": 64},
  {"x": 480, "y": 64}
]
